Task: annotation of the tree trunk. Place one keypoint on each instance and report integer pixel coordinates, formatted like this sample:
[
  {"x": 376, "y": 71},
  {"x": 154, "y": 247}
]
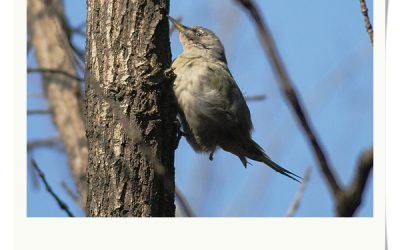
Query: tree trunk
[
  {"x": 130, "y": 109},
  {"x": 52, "y": 50}
]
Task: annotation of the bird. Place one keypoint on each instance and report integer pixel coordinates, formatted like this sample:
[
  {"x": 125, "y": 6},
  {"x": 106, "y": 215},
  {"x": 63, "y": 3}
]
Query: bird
[{"x": 211, "y": 108}]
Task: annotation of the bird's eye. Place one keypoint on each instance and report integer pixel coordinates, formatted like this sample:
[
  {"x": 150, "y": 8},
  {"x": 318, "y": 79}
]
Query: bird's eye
[{"x": 198, "y": 33}]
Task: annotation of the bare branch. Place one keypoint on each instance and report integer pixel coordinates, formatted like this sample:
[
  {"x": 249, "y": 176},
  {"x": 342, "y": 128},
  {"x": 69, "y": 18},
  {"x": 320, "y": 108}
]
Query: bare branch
[
  {"x": 54, "y": 71},
  {"x": 35, "y": 95},
  {"x": 347, "y": 200},
  {"x": 62, "y": 86},
  {"x": 255, "y": 98},
  {"x": 364, "y": 167},
  {"x": 69, "y": 191},
  {"x": 79, "y": 30},
  {"x": 38, "y": 112},
  {"x": 80, "y": 27},
  {"x": 297, "y": 199},
  {"x": 181, "y": 198},
  {"x": 184, "y": 203},
  {"x": 60, "y": 203},
  {"x": 350, "y": 198},
  {"x": 50, "y": 142},
  {"x": 28, "y": 46},
  {"x": 79, "y": 56},
  {"x": 368, "y": 25},
  {"x": 287, "y": 87}
]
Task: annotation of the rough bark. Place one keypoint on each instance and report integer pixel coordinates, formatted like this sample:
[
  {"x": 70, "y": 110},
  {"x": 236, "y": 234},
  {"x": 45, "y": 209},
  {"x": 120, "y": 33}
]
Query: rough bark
[
  {"x": 52, "y": 50},
  {"x": 130, "y": 112}
]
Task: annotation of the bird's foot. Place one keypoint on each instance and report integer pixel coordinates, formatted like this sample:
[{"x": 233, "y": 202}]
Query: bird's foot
[
  {"x": 244, "y": 161},
  {"x": 179, "y": 133},
  {"x": 169, "y": 74},
  {"x": 211, "y": 156}
]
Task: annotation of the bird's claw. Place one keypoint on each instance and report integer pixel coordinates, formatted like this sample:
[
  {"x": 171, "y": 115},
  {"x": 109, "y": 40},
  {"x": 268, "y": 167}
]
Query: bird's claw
[
  {"x": 169, "y": 74},
  {"x": 179, "y": 133},
  {"x": 211, "y": 156}
]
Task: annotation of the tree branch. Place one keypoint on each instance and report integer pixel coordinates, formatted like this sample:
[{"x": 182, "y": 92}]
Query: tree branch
[
  {"x": 54, "y": 57},
  {"x": 79, "y": 30},
  {"x": 60, "y": 203},
  {"x": 255, "y": 98},
  {"x": 54, "y": 71},
  {"x": 368, "y": 25},
  {"x": 69, "y": 191},
  {"x": 28, "y": 46},
  {"x": 297, "y": 199},
  {"x": 350, "y": 198},
  {"x": 364, "y": 168},
  {"x": 50, "y": 142},
  {"x": 38, "y": 112},
  {"x": 35, "y": 95},
  {"x": 287, "y": 87},
  {"x": 347, "y": 200},
  {"x": 184, "y": 203}
]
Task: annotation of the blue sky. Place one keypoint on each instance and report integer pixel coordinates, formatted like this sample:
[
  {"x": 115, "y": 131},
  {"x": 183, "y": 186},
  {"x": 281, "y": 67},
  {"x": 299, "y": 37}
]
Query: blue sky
[{"x": 328, "y": 55}]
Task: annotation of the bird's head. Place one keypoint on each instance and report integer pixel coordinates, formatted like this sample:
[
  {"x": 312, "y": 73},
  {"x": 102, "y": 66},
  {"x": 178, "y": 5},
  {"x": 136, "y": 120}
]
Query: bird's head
[{"x": 200, "y": 41}]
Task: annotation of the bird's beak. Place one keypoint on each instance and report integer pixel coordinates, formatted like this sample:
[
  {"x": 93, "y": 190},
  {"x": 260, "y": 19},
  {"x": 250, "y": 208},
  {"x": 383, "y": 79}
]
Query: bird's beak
[{"x": 178, "y": 26}]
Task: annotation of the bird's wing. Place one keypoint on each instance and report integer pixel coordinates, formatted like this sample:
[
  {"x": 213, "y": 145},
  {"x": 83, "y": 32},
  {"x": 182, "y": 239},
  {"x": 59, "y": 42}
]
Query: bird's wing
[{"x": 227, "y": 101}]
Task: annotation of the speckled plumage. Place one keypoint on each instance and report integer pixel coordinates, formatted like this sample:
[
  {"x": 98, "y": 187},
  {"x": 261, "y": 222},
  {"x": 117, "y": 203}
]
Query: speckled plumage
[{"x": 212, "y": 109}]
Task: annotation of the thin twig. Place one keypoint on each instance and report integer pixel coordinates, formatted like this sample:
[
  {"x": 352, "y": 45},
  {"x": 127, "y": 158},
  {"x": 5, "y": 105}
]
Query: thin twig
[
  {"x": 66, "y": 26},
  {"x": 50, "y": 142},
  {"x": 296, "y": 201},
  {"x": 38, "y": 112},
  {"x": 255, "y": 98},
  {"x": 61, "y": 82},
  {"x": 35, "y": 95},
  {"x": 184, "y": 203},
  {"x": 347, "y": 199},
  {"x": 60, "y": 203},
  {"x": 368, "y": 25},
  {"x": 79, "y": 29},
  {"x": 54, "y": 71},
  {"x": 28, "y": 46},
  {"x": 32, "y": 174},
  {"x": 79, "y": 54},
  {"x": 287, "y": 87},
  {"x": 69, "y": 191}
]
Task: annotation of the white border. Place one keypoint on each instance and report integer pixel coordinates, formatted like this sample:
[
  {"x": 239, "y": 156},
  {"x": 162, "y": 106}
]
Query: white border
[
  {"x": 203, "y": 233},
  {"x": 393, "y": 126},
  {"x": 7, "y": 100}
]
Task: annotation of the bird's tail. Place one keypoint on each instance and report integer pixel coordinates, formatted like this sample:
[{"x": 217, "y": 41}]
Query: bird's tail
[{"x": 255, "y": 152}]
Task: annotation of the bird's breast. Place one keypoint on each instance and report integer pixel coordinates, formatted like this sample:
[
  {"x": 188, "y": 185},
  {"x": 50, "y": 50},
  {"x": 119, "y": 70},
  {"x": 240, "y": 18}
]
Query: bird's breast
[{"x": 187, "y": 84}]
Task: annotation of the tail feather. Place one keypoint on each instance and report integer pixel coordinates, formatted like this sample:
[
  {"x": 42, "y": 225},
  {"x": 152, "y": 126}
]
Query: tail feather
[
  {"x": 256, "y": 153},
  {"x": 281, "y": 170}
]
